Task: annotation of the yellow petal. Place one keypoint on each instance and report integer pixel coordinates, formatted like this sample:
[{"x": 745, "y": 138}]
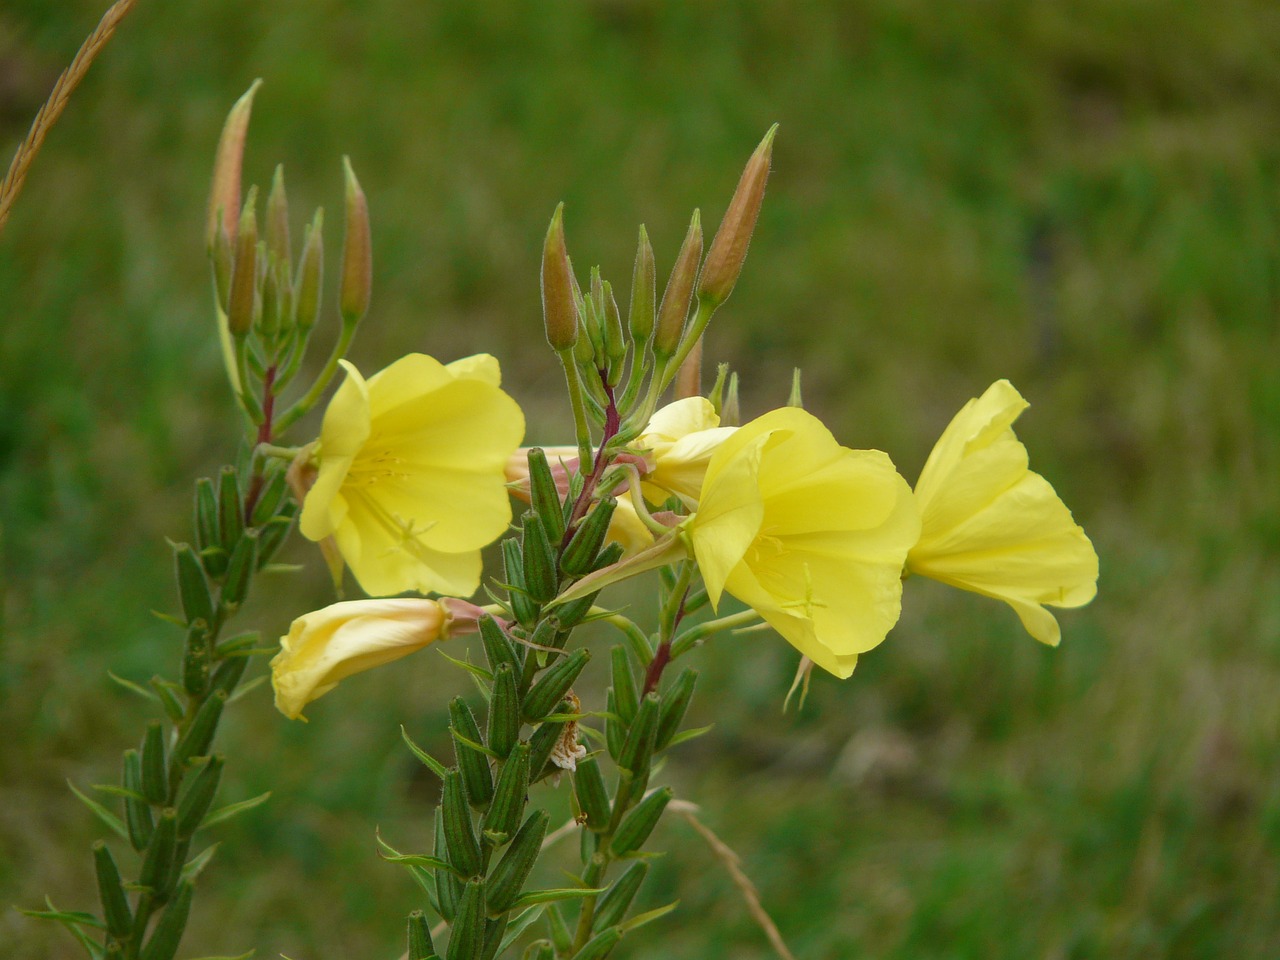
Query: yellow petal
[{"x": 728, "y": 517}]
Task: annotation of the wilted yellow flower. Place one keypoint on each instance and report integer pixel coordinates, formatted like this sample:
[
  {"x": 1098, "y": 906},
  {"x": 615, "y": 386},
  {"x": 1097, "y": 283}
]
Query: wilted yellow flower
[
  {"x": 411, "y": 482},
  {"x": 810, "y": 534},
  {"x": 345, "y": 638},
  {"x": 991, "y": 525}
]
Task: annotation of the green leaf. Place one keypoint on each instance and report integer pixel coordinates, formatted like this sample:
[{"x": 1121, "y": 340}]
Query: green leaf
[
  {"x": 472, "y": 668},
  {"x": 247, "y": 955},
  {"x": 134, "y": 687},
  {"x": 170, "y": 618},
  {"x": 518, "y": 925},
  {"x": 192, "y": 868},
  {"x": 648, "y": 917},
  {"x": 71, "y": 922},
  {"x": 233, "y": 809},
  {"x": 102, "y": 813},
  {"x": 390, "y": 854},
  {"x": 479, "y": 747},
  {"x": 246, "y": 687},
  {"x": 118, "y": 791},
  {"x": 434, "y": 765},
  {"x": 534, "y": 897},
  {"x": 684, "y": 735}
]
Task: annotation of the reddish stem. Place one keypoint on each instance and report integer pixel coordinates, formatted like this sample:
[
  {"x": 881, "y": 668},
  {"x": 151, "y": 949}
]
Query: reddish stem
[{"x": 612, "y": 424}]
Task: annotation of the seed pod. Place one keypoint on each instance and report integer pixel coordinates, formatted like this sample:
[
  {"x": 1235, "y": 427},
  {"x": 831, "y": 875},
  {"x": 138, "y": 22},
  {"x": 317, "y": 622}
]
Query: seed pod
[
  {"x": 675, "y": 701},
  {"x": 544, "y": 496},
  {"x": 193, "y": 588},
  {"x": 539, "y": 560},
  {"x": 570, "y": 614},
  {"x": 213, "y": 552},
  {"x": 560, "y": 934},
  {"x": 553, "y": 685},
  {"x": 523, "y": 606},
  {"x": 638, "y": 747},
  {"x": 155, "y": 782},
  {"x": 195, "y": 741},
  {"x": 509, "y": 876},
  {"x": 639, "y": 823},
  {"x": 226, "y": 677},
  {"x": 274, "y": 488},
  {"x": 593, "y": 798},
  {"x": 599, "y": 946},
  {"x": 420, "y": 945},
  {"x": 580, "y": 555},
  {"x": 640, "y": 318},
  {"x": 115, "y": 903},
  {"x": 472, "y": 764},
  {"x": 674, "y": 310},
  {"x": 197, "y": 799},
  {"x": 544, "y": 741},
  {"x": 497, "y": 645},
  {"x": 195, "y": 659},
  {"x": 615, "y": 731},
  {"x": 448, "y": 887},
  {"x": 504, "y": 813},
  {"x": 459, "y": 831},
  {"x": 626, "y": 697},
  {"x": 504, "y": 711},
  {"x": 612, "y": 907},
  {"x": 230, "y": 508},
  {"x": 467, "y": 939},
  {"x": 240, "y": 569},
  {"x": 608, "y": 556},
  {"x": 173, "y": 923},
  {"x": 137, "y": 813},
  {"x": 274, "y": 533},
  {"x": 158, "y": 858},
  {"x": 494, "y": 930},
  {"x": 540, "y": 950}
]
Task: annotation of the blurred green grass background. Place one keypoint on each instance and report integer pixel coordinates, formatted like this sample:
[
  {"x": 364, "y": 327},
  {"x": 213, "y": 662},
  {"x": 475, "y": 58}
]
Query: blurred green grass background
[{"x": 1079, "y": 196}]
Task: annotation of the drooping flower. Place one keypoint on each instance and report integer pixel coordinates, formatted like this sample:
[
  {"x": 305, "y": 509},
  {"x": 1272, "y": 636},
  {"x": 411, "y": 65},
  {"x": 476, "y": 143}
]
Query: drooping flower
[
  {"x": 991, "y": 525},
  {"x": 411, "y": 482},
  {"x": 346, "y": 638},
  {"x": 810, "y": 534}
]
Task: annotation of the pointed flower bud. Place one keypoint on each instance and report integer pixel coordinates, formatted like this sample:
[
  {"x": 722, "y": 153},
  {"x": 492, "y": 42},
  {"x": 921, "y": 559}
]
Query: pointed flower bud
[
  {"x": 357, "y": 252},
  {"x": 615, "y": 341},
  {"x": 641, "y": 316},
  {"x": 244, "y": 273},
  {"x": 278, "y": 220},
  {"x": 675, "y": 300},
  {"x": 559, "y": 314},
  {"x": 306, "y": 307},
  {"x": 729, "y": 248},
  {"x": 224, "y": 197}
]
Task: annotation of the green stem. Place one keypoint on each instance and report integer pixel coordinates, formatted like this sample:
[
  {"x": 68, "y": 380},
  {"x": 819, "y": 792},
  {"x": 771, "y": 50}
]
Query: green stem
[
  {"x": 581, "y": 431},
  {"x": 695, "y": 635},
  {"x": 300, "y": 407}
]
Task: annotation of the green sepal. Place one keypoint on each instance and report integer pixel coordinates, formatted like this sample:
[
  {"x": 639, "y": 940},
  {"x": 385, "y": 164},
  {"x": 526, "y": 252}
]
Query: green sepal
[
  {"x": 553, "y": 685},
  {"x": 208, "y": 537},
  {"x": 240, "y": 570},
  {"x": 498, "y": 647},
  {"x": 639, "y": 823},
  {"x": 599, "y": 946},
  {"x": 544, "y": 496},
  {"x": 638, "y": 747},
  {"x": 164, "y": 940},
  {"x": 539, "y": 559},
  {"x": 459, "y": 831},
  {"x": 593, "y": 798},
  {"x": 193, "y": 588},
  {"x": 230, "y": 508},
  {"x": 421, "y": 946},
  {"x": 157, "y": 861},
  {"x": 504, "y": 813},
  {"x": 504, "y": 711},
  {"x": 544, "y": 741},
  {"x": 198, "y": 797},
  {"x": 509, "y": 876},
  {"x": 466, "y": 941},
  {"x": 137, "y": 813},
  {"x": 155, "y": 778},
  {"x": 613, "y": 906},
  {"x": 523, "y": 606},
  {"x": 228, "y": 673},
  {"x": 115, "y": 903},
  {"x": 674, "y": 703},
  {"x": 195, "y": 741},
  {"x": 626, "y": 696},
  {"x": 274, "y": 487},
  {"x": 448, "y": 886},
  {"x": 579, "y": 556},
  {"x": 472, "y": 763}
]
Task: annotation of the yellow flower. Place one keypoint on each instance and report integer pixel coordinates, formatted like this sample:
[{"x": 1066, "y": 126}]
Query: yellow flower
[
  {"x": 991, "y": 525},
  {"x": 810, "y": 534},
  {"x": 411, "y": 482},
  {"x": 680, "y": 440},
  {"x": 345, "y": 638}
]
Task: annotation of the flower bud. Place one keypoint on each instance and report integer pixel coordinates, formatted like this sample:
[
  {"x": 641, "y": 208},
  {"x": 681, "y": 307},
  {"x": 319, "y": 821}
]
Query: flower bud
[
  {"x": 220, "y": 254},
  {"x": 306, "y": 296},
  {"x": 615, "y": 342},
  {"x": 729, "y": 247},
  {"x": 278, "y": 222},
  {"x": 356, "y": 285},
  {"x": 241, "y": 301},
  {"x": 675, "y": 299},
  {"x": 559, "y": 313},
  {"x": 641, "y": 315},
  {"x": 224, "y": 197}
]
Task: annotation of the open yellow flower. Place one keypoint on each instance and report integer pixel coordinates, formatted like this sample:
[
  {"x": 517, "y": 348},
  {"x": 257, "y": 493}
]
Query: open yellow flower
[
  {"x": 345, "y": 638},
  {"x": 680, "y": 440},
  {"x": 810, "y": 534},
  {"x": 991, "y": 525},
  {"x": 411, "y": 482}
]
